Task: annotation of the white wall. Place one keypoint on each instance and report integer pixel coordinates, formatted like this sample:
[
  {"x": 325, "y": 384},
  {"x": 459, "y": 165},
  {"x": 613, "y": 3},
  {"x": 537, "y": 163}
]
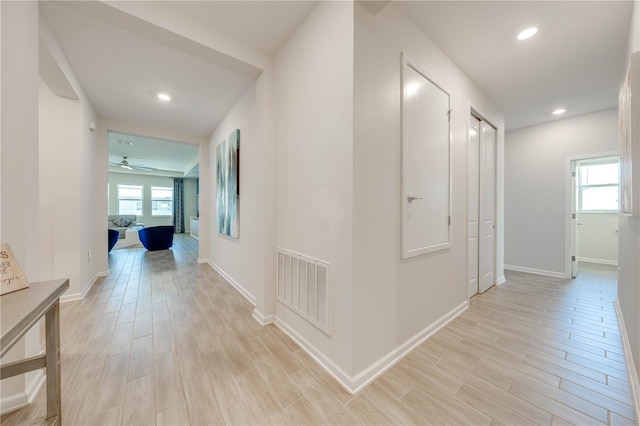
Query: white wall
[
  {"x": 59, "y": 187},
  {"x": 147, "y": 181},
  {"x": 536, "y": 179},
  {"x": 634, "y": 32},
  {"x": 629, "y": 226},
  {"x": 314, "y": 128},
  {"x": 19, "y": 194},
  {"x": 20, "y": 133},
  {"x": 236, "y": 257},
  {"x": 395, "y": 300},
  {"x": 598, "y": 238},
  {"x": 67, "y": 196}
]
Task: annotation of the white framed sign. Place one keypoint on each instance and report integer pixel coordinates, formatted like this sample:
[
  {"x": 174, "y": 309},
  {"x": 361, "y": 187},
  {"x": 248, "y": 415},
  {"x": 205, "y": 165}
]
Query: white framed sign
[{"x": 12, "y": 277}]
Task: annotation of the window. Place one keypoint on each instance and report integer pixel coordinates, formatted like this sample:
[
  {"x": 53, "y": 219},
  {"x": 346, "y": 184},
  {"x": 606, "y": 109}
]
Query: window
[
  {"x": 598, "y": 186},
  {"x": 130, "y": 200},
  {"x": 161, "y": 201}
]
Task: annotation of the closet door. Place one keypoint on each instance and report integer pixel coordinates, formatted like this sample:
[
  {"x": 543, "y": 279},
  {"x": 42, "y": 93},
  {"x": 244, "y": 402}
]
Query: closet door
[
  {"x": 473, "y": 206},
  {"x": 487, "y": 207}
]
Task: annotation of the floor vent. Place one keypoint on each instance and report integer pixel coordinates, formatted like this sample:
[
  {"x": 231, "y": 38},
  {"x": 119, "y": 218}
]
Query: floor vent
[{"x": 303, "y": 286}]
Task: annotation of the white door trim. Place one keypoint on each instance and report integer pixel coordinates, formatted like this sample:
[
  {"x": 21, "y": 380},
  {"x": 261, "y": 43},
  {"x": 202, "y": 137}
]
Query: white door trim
[
  {"x": 498, "y": 276},
  {"x": 473, "y": 206},
  {"x": 568, "y": 198},
  {"x": 442, "y": 220}
]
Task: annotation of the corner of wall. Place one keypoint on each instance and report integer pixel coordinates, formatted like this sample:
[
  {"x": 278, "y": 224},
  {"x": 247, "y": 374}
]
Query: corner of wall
[
  {"x": 69, "y": 297},
  {"x": 261, "y": 318},
  {"x": 241, "y": 289}
]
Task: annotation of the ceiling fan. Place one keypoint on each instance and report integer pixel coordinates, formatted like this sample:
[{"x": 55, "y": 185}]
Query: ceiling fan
[{"x": 125, "y": 165}]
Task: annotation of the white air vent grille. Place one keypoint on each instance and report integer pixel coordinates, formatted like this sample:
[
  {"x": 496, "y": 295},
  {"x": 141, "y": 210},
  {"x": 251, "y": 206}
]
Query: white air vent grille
[{"x": 303, "y": 286}]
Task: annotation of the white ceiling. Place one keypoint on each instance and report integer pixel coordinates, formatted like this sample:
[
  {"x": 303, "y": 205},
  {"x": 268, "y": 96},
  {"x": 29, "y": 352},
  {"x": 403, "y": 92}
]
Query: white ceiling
[
  {"x": 169, "y": 158},
  {"x": 263, "y": 25},
  {"x": 575, "y": 61},
  {"x": 122, "y": 72}
]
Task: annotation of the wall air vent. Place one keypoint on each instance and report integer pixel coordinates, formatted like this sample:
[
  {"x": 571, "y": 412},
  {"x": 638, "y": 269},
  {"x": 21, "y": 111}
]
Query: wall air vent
[{"x": 303, "y": 286}]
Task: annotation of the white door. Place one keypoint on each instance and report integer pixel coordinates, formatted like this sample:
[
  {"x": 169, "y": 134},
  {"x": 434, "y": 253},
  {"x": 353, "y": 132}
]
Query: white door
[
  {"x": 425, "y": 165},
  {"x": 487, "y": 207},
  {"x": 473, "y": 205},
  {"x": 574, "y": 219}
]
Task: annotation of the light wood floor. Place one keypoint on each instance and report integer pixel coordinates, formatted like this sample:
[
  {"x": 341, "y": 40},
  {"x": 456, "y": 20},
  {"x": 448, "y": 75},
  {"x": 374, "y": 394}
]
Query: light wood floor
[{"x": 164, "y": 340}]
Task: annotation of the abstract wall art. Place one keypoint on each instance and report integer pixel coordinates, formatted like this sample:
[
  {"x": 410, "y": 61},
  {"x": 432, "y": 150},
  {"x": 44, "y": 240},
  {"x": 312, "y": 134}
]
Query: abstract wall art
[{"x": 228, "y": 185}]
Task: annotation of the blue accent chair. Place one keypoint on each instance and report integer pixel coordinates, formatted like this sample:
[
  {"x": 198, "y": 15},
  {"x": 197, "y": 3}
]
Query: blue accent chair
[
  {"x": 113, "y": 238},
  {"x": 156, "y": 237}
]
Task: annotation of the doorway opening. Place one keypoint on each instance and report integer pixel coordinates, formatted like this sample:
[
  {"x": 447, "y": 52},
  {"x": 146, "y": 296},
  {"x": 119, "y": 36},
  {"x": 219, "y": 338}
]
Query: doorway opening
[
  {"x": 151, "y": 182},
  {"x": 594, "y": 211},
  {"x": 482, "y": 206}
]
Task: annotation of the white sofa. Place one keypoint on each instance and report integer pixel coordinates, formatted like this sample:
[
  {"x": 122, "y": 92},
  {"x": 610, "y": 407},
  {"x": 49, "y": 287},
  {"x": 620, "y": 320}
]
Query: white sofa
[{"x": 122, "y": 229}]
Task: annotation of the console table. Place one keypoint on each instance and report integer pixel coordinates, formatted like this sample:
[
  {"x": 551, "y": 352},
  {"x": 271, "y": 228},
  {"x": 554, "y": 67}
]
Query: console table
[
  {"x": 19, "y": 311},
  {"x": 194, "y": 227}
]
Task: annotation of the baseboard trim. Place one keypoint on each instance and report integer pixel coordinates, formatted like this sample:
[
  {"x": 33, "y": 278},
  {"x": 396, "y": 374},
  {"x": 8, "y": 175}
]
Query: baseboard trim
[
  {"x": 359, "y": 381},
  {"x": 36, "y": 383},
  {"x": 598, "y": 261},
  {"x": 628, "y": 356},
  {"x": 323, "y": 361},
  {"x": 11, "y": 403},
  {"x": 261, "y": 318},
  {"x": 553, "y": 274},
  {"x": 356, "y": 383},
  {"x": 23, "y": 399},
  {"x": 78, "y": 296},
  {"x": 243, "y": 291},
  {"x": 501, "y": 280},
  {"x": 378, "y": 368}
]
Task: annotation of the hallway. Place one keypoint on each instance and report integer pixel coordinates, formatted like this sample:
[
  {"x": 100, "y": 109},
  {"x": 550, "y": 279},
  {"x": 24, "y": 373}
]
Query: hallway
[{"x": 164, "y": 340}]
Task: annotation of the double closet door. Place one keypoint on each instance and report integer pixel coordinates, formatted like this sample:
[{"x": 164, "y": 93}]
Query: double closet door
[{"x": 482, "y": 206}]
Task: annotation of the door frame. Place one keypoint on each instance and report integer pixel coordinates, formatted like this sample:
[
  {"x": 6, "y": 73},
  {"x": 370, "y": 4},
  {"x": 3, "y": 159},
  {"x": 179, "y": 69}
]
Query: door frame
[
  {"x": 474, "y": 111},
  {"x": 446, "y": 245},
  {"x": 487, "y": 167},
  {"x": 568, "y": 239}
]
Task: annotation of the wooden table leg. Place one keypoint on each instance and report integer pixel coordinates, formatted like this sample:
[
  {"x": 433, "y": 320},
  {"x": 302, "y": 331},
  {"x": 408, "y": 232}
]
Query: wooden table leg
[{"x": 52, "y": 326}]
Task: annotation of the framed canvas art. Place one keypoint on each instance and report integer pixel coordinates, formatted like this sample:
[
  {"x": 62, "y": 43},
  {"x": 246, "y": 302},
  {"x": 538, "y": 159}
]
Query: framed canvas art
[
  {"x": 626, "y": 149},
  {"x": 228, "y": 185}
]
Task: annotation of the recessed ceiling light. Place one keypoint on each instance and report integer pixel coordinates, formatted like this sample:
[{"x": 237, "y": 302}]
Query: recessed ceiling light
[
  {"x": 528, "y": 33},
  {"x": 164, "y": 97},
  {"x": 559, "y": 111},
  {"x": 121, "y": 142}
]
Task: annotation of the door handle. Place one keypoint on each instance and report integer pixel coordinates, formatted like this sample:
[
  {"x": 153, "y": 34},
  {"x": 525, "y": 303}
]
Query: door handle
[{"x": 411, "y": 198}]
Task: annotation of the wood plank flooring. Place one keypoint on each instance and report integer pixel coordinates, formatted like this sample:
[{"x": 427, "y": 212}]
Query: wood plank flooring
[{"x": 164, "y": 340}]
